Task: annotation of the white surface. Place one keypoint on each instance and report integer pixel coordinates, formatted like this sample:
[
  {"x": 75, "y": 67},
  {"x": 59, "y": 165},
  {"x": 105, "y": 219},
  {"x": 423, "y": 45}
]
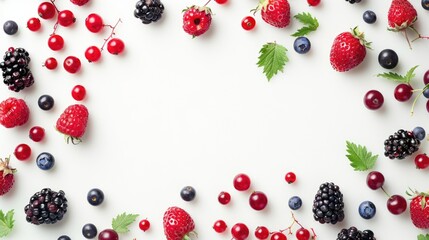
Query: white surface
[{"x": 175, "y": 111}]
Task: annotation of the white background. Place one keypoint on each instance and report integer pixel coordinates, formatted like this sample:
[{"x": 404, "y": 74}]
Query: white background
[{"x": 175, "y": 111}]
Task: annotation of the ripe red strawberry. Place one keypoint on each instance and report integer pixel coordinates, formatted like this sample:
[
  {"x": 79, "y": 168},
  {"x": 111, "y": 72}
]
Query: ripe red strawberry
[
  {"x": 73, "y": 121},
  {"x": 6, "y": 176},
  {"x": 419, "y": 210},
  {"x": 79, "y": 2},
  {"x": 401, "y": 15},
  {"x": 275, "y": 12},
  {"x": 13, "y": 112},
  {"x": 348, "y": 50},
  {"x": 178, "y": 224},
  {"x": 196, "y": 20}
]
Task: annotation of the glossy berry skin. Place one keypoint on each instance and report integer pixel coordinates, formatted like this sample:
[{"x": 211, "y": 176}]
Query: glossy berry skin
[
  {"x": 426, "y": 78},
  {"x": 188, "y": 193},
  {"x": 425, "y": 4},
  {"x": 367, "y": 209},
  {"x": 221, "y": 1},
  {"x": 22, "y": 152},
  {"x": 240, "y": 231},
  {"x": 115, "y": 46},
  {"x": 278, "y": 236},
  {"x": 89, "y": 231},
  {"x": 46, "y": 102},
  {"x": 388, "y": 59},
  {"x": 108, "y": 234},
  {"x": 373, "y": 100},
  {"x": 46, "y": 10},
  {"x": 36, "y": 133},
  {"x": 427, "y": 105},
  {"x": 375, "y": 180},
  {"x": 419, "y": 133},
  {"x": 45, "y": 161},
  {"x": 51, "y": 63},
  {"x": 72, "y": 64},
  {"x": 258, "y": 200},
  {"x": 66, "y": 18},
  {"x": 369, "y": 17},
  {"x": 313, "y": 3},
  {"x": 144, "y": 225},
  {"x": 302, "y": 234},
  {"x": 290, "y": 177},
  {"x": 396, "y": 204},
  {"x": 95, "y": 197},
  {"x": 79, "y": 2},
  {"x": 93, "y": 54},
  {"x": 301, "y": 45},
  {"x": 403, "y": 92},
  {"x": 56, "y": 42},
  {"x": 224, "y": 198},
  {"x": 276, "y": 12},
  {"x": 10, "y": 27},
  {"x": 64, "y": 237},
  {"x": 94, "y": 23},
  {"x": 262, "y": 232},
  {"x": 248, "y": 23},
  {"x": 13, "y": 112},
  {"x": 347, "y": 51},
  {"x": 295, "y": 203},
  {"x": 220, "y": 226},
  {"x": 421, "y": 161},
  {"x": 33, "y": 24},
  {"x": 241, "y": 182},
  {"x": 78, "y": 92},
  {"x": 426, "y": 93},
  {"x": 196, "y": 20}
]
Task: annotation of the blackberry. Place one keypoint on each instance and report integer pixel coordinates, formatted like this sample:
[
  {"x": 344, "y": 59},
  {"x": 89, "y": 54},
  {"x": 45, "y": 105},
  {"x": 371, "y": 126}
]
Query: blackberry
[
  {"x": 46, "y": 207},
  {"x": 16, "y": 72},
  {"x": 328, "y": 205},
  {"x": 401, "y": 144},
  {"x": 149, "y": 11},
  {"x": 354, "y": 234},
  {"x": 353, "y": 1}
]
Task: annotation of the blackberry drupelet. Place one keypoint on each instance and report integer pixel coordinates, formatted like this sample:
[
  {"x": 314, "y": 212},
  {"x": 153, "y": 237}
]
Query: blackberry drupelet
[
  {"x": 46, "y": 207},
  {"x": 353, "y": 1},
  {"x": 16, "y": 72},
  {"x": 149, "y": 11},
  {"x": 328, "y": 205},
  {"x": 401, "y": 144},
  {"x": 354, "y": 234}
]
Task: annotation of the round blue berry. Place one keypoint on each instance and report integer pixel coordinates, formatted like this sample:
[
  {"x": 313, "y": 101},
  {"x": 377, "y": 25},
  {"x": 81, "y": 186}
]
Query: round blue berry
[
  {"x": 46, "y": 102},
  {"x": 89, "y": 231},
  {"x": 188, "y": 193},
  {"x": 426, "y": 93},
  {"x": 295, "y": 203},
  {"x": 95, "y": 197},
  {"x": 367, "y": 210},
  {"x": 419, "y": 133},
  {"x": 45, "y": 161},
  {"x": 369, "y": 17},
  {"x": 301, "y": 45},
  {"x": 425, "y": 4},
  {"x": 10, "y": 27},
  {"x": 64, "y": 237}
]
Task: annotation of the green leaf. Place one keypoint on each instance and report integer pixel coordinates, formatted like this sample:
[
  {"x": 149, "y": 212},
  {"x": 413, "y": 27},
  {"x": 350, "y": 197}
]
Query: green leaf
[
  {"x": 399, "y": 78},
  {"x": 121, "y": 223},
  {"x": 6, "y": 223},
  {"x": 272, "y": 57},
  {"x": 310, "y": 24},
  {"x": 360, "y": 158},
  {"x": 423, "y": 237}
]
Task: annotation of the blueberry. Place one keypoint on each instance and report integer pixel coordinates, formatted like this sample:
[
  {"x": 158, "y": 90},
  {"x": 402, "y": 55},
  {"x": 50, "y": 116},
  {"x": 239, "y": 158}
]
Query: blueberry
[
  {"x": 46, "y": 102},
  {"x": 295, "y": 203},
  {"x": 64, "y": 237},
  {"x": 426, "y": 93},
  {"x": 419, "y": 133},
  {"x": 367, "y": 210},
  {"x": 95, "y": 197},
  {"x": 388, "y": 58},
  {"x": 10, "y": 27},
  {"x": 369, "y": 17},
  {"x": 188, "y": 193},
  {"x": 89, "y": 230},
  {"x": 301, "y": 45},
  {"x": 45, "y": 161},
  {"x": 425, "y": 4}
]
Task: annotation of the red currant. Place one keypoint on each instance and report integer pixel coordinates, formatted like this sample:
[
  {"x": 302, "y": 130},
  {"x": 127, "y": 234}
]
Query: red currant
[
  {"x": 115, "y": 46},
  {"x": 290, "y": 177},
  {"x": 55, "y": 42},
  {"x": 421, "y": 161},
  {"x": 22, "y": 152},
  {"x": 144, "y": 225},
  {"x": 302, "y": 234},
  {"x": 37, "y": 133},
  {"x": 373, "y": 99},
  {"x": 34, "y": 24},
  {"x": 396, "y": 204},
  {"x": 221, "y": 1},
  {"x": 375, "y": 180},
  {"x": 313, "y": 3},
  {"x": 78, "y": 92},
  {"x": 403, "y": 92},
  {"x": 240, "y": 231},
  {"x": 224, "y": 198},
  {"x": 94, "y": 23},
  {"x": 219, "y": 226},
  {"x": 93, "y": 54},
  {"x": 248, "y": 23},
  {"x": 51, "y": 63},
  {"x": 241, "y": 182},
  {"x": 72, "y": 64},
  {"x": 66, "y": 18},
  {"x": 46, "y": 10},
  {"x": 262, "y": 232},
  {"x": 278, "y": 236},
  {"x": 258, "y": 200}
]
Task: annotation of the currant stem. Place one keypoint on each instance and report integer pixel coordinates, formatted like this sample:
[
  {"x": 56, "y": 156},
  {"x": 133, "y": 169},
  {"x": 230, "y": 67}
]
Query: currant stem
[
  {"x": 385, "y": 192},
  {"x": 207, "y": 3},
  {"x": 314, "y": 234},
  {"x": 406, "y": 37},
  {"x": 56, "y": 23},
  {"x": 112, "y": 33}
]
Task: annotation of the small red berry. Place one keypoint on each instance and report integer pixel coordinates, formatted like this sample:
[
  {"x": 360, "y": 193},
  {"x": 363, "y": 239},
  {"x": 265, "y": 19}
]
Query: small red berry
[
  {"x": 313, "y": 3},
  {"x": 37, "y": 133},
  {"x": 248, "y": 23},
  {"x": 421, "y": 161},
  {"x": 66, "y": 18},
  {"x": 224, "y": 198},
  {"x": 115, "y": 46},
  {"x": 290, "y": 177},
  {"x": 56, "y": 42},
  {"x": 51, "y": 63},
  {"x": 78, "y": 92},
  {"x": 258, "y": 200},
  {"x": 219, "y": 226},
  {"x": 302, "y": 234},
  {"x": 72, "y": 64},
  {"x": 94, "y": 23},
  {"x": 46, "y": 10},
  {"x": 403, "y": 92},
  {"x": 93, "y": 54},
  {"x": 33, "y": 24},
  {"x": 22, "y": 152},
  {"x": 144, "y": 225},
  {"x": 241, "y": 182},
  {"x": 240, "y": 231},
  {"x": 262, "y": 232},
  {"x": 221, "y": 1},
  {"x": 278, "y": 236}
]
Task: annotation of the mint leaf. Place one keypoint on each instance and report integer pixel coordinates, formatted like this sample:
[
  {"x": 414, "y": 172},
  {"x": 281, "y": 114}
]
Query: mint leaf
[
  {"x": 360, "y": 158},
  {"x": 272, "y": 58},
  {"x": 423, "y": 237},
  {"x": 6, "y": 223},
  {"x": 399, "y": 78},
  {"x": 310, "y": 22},
  {"x": 122, "y": 221}
]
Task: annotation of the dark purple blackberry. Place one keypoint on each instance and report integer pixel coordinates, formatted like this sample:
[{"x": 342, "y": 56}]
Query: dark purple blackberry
[
  {"x": 328, "y": 204},
  {"x": 16, "y": 72},
  {"x": 354, "y": 234},
  {"x": 149, "y": 11},
  {"x": 401, "y": 144},
  {"x": 353, "y": 1},
  {"x": 46, "y": 207}
]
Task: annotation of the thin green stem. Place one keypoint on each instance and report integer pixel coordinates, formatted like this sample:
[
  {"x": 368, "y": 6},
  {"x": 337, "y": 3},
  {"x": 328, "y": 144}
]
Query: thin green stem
[
  {"x": 385, "y": 192},
  {"x": 414, "y": 102},
  {"x": 207, "y": 3}
]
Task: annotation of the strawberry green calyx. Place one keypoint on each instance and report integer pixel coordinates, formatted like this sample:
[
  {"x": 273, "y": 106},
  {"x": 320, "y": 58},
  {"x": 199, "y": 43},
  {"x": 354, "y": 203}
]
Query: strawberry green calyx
[
  {"x": 361, "y": 36},
  {"x": 4, "y": 166},
  {"x": 189, "y": 236},
  {"x": 204, "y": 9}
]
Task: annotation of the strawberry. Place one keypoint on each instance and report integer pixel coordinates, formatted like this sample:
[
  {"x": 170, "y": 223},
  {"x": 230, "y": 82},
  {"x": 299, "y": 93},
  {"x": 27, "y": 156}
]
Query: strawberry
[
  {"x": 401, "y": 15},
  {"x": 6, "y": 176},
  {"x": 419, "y": 209},
  {"x": 196, "y": 20},
  {"x": 13, "y": 112},
  {"x": 79, "y": 2},
  {"x": 72, "y": 122},
  {"x": 178, "y": 224},
  {"x": 348, "y": 50},
  {"x": 275, "y": 12}
]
